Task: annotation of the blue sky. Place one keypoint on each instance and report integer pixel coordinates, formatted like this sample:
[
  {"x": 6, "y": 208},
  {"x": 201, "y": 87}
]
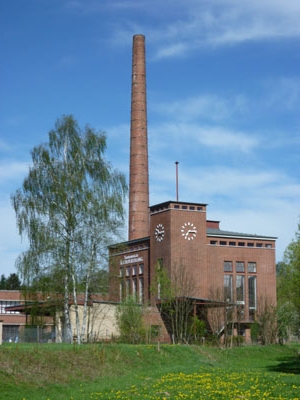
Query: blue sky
[{"x": 223, "y": 87}]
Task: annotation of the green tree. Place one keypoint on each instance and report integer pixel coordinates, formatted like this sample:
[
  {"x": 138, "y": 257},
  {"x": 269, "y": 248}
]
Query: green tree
[
  {"x": 197, "y": 329},
  {"x": 287, "y": 321},
  {"x": 174, "y": 290},
  {"x": 2, "y": 282},
  {"x": 288, "y": 290},
  {"x": 70, "y": 207},
  {"x": 289, "y": 274},
  {"x": 267, "y": 319},
  {"x": 12, "y": 282},
  {"x": 129, "y": 315}
]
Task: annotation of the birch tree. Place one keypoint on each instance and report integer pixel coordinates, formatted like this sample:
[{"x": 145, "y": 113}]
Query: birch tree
[
  {"x": 173, "y": 292},
  {"x": 70, "y": 207}
]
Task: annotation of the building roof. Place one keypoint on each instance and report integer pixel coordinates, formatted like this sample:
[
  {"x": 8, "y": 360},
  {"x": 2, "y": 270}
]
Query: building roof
[
  {"x": 166, "y": 203},
  {"x": 219, "y": 232}
]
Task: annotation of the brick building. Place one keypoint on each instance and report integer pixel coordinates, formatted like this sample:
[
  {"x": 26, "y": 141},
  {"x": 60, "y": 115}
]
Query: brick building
[
  {"x": 11, "y": 320},
  {"x": 237, "y": 270},
  {"x": 231, "y": 272}
]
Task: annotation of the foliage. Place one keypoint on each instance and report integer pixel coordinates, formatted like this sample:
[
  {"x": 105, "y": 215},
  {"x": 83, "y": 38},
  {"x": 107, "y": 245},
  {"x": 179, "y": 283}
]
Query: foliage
[
  {"x": 197, "y": 329},
  {"x": 175, "y": 305},
  {"x": 70, "y": 207},
  {"x": 287, "y": 321},
  {"x": 254, "y": 332},
  {"x": 129, "y": 315},
  {"x": 288, "y": 289},
  {"x": 118, "y": 371},
  {"x": 267, "y": 320},
  {"x": 289, "y": 273},
  {"x": 12, "y": 282}
]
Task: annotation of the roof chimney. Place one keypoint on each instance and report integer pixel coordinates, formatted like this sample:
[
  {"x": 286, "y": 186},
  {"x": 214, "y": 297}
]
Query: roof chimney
[{"x": 138, "y": 224}]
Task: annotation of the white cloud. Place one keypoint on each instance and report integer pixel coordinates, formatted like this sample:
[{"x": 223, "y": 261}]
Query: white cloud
[
  {"x": 4, "y": 146},
  {"x": 10, "y": 242},
  {"x": 230, "y": 22},
  {"x": 220, "y": 138},
  {"x": 190, "y": 136},
  {"x": 11, "y": 170},
  {"x": 282, "y": 94},
  {"x": 178, "y": 28},
  {"x": 204, "y": 106}
]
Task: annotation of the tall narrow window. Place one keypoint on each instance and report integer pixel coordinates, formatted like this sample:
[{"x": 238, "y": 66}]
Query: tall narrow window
[
  {"x": 240, "y": 293},
  {"x": 252, "y": 296},
  {"x": 134, "y": 288},
  {"x": 141, "y": 289},
  {"x": 122, "y": 291},
  {"x": 228, "y": 288},
  {"x": 141, "y": 269},
  {"x": 127, "y": 287},
  {"x": 134, "y": 270}
]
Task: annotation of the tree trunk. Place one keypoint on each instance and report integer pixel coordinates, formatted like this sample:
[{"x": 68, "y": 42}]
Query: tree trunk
[{"x": 67, "y": 335}]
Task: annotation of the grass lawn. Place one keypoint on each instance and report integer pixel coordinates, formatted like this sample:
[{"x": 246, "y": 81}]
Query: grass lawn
[{"x": 115, "y": 371}]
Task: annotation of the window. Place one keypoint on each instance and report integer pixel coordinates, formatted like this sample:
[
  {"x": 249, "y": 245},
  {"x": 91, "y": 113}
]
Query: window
[
  {"x": 232, "y": 243},
  {"x": 134, "y": 270},
  {"x": 252, "y": 296},
  {"x": 121, "y": 272},
  {"x": 199, "y": 208},
  {"x": 240, "y": 279},
  {"x": 258, "y": 244},
  {"x": 213, "y": 242},
  {"x": 134, "y": 287},
  {"x": 122, "y": 291},
  {"x": 251, "y": 267},
  {"x": 127, "y": 288},
  {"x": 241, "y": 243},
  {"x": 227, "y": 266},
  {"x": 268, "y": 245},
  {"x": 141, "y": 290},
  {"x": 192, "y": 208},
  {"x": 141, "y": 269},
  {"x": 10, "y": 333},
  {"x": 184, "y": 207},
  {"x": 228, "y": 287},
  {"x": 240, "y": 266},
  {"x": 250, "y": 244},
  {"x": 8, "y": 303},
  {"x": 127, "y": 271},
  {"x": 223, "y": 243}
]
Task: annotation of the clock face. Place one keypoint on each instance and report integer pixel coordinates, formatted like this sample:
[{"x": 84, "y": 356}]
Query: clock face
[
  {"x": 159, "y": 232},
  {"x": 188, "y": 231}
]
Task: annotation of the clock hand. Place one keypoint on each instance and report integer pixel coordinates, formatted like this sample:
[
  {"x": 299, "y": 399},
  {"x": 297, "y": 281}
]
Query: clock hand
[{"x": 190, "y": 231}]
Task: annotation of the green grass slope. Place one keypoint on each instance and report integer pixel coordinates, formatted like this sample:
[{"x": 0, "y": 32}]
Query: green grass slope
[{"x": 115, "y": 371}]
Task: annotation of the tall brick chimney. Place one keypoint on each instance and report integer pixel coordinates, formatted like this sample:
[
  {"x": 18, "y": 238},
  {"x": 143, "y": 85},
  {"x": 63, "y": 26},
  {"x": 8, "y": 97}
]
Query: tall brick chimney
[{"x": 138, "y": 224}]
